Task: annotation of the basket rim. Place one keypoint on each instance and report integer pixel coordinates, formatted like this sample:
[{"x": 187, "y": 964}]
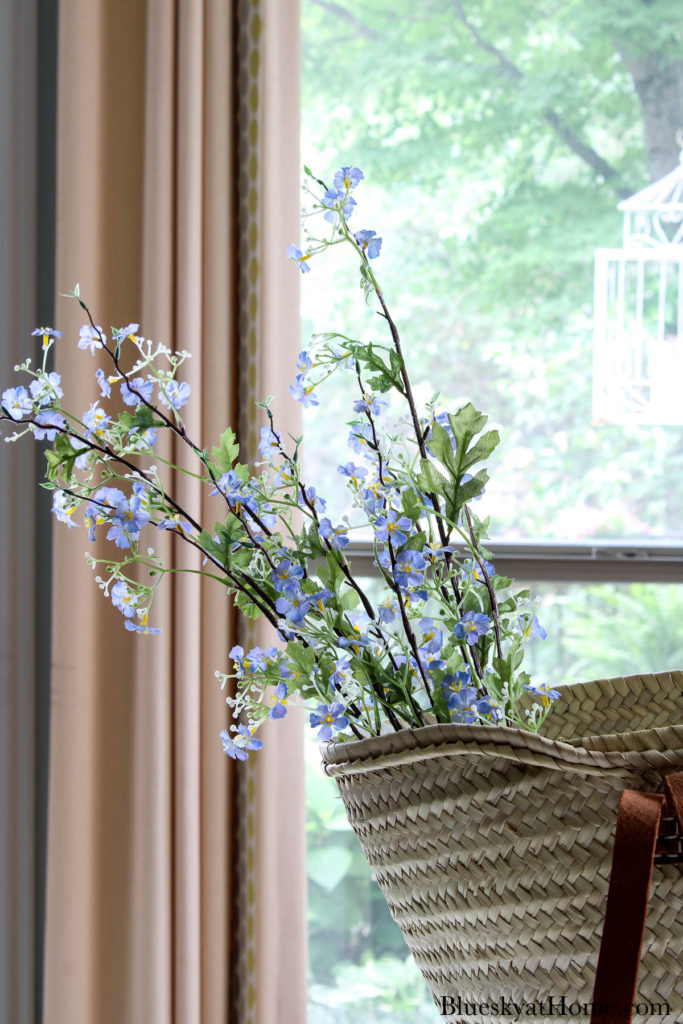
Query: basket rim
[{"x": 619, "y": 752}]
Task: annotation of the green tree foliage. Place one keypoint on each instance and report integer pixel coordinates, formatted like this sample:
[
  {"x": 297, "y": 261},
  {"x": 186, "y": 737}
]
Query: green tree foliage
[{"x": 499, "y": 137}]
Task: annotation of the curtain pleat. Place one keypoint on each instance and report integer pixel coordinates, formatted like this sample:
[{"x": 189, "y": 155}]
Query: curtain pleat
[{"x": 149, "y": 878}]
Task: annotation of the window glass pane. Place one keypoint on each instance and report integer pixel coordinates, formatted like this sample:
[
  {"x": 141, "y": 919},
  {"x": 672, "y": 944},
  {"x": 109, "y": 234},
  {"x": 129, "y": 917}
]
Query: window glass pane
[
  {"x": 497, "y": 139},
  {"x": 358, "y": 964}
]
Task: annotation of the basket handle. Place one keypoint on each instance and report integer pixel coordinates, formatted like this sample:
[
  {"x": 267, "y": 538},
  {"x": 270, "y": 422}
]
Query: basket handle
[{"x": 633, "y": 856}]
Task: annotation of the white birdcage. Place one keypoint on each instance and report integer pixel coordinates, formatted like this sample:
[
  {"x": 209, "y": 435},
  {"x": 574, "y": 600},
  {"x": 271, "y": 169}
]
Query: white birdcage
[{"x": 638, "y": 327}]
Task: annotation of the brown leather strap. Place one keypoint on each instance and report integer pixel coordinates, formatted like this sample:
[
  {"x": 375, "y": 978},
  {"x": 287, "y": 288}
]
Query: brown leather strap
[
  {"x": 629, "y": 886},
  {"x": 622, "y": 938},
  {"x": 674, "y": 792}
]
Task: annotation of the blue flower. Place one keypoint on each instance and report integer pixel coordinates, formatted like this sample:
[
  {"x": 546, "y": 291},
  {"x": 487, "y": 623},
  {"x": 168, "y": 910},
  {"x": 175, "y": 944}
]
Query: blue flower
[
  {"x": 389, "y": 528},
  {"x": 387, "y": 610},
  {"x": 369, "y": 243},
  {"x": 321, "y": 597},
  {"x": 373, "y": 500},
  {"x": 347, "y": 178},
  {"x": 286, "y": 477},
  {"x": 144, "y": 389},
  {"x": 471, "y": 626},
  {"x": 298, "y": 257},
  {"x": 361, "y": 439},
  {"x": 342, "y": 356},
  {"x": 92, "y": 338},
  {"x": 454, "y": 683},
  {"x": 430, "y": 660},
  {"x": 303, "y": 394},
  {"x": 432, "y": 636},
  {"x": 95, "y": 419},
  {"x": 236, "y": 746},
  {"x": 331, "y": 201},
  {"x": 465, "y": 706},
  {"x": 129, "y": 331},
  {"x": 359, "y": 623},
  {"x": 141, "y": 439},
  {"x": 295, "y": 607},
  {"x": 543, "y": 691},
  {"x": 46, "y": 333},
  {"x": 93, "y": 517},
  {"x": 127, "y": 521},
  {"x": 111, "y": 496},
  {"x": 279, "y": 702},
  {"x": 529, "y": 626},
  {"x": 105, "y": 386},
  {"x": 409, "y": 568},
  {"x": 330, "y": 717},
  {"x": 61, "y": 508},
  {"x": 342, "y": 674},
  {"x": 269, "y": 445},
  {"x": 473, "y": 572},
  {"x": 313, "y": 499},
  {"x": 142, "y": 627},
  {"x": 48, "y": 424},
  {"x": 369, "y": 404},
  {"x": 123, "y": 599},
  {"x": 174, "y": 522},
  {"x": 304, "y": 363},
  {"x": 434, "y": 551},
  {"x": 411, "y": 594},
  {"x": 256, "y": 660},
  {"x": 353, "y": 472},
  {"x": 336, "y": 536},
  {"x": 17, "y": 403},
  {"x": 46, "y": 388},
  {"x": 286, "y": 576},
  {"x": 173, "y": 394},
  {"x": 237, "y": 657},
  {"x": 230, "y": 486}
]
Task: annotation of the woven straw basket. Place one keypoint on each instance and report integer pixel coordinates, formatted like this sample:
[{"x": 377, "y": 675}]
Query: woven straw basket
[{"x": 493, "y": 846}]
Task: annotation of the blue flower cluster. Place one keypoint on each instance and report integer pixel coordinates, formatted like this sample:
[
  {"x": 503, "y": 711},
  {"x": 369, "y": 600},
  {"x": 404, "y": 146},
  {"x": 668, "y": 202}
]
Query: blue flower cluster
[
  {"x": 337, "y": 205},
  {"x": 438, "y": 637}
]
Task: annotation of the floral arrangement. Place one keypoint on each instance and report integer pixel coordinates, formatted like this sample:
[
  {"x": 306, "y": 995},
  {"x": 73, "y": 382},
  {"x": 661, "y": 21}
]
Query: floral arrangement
[{"x": 445, "y": 639}]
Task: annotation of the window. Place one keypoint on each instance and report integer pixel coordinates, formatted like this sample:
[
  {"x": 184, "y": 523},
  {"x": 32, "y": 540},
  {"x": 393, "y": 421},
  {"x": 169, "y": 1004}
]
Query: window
[{"x": 497, "y": 140}]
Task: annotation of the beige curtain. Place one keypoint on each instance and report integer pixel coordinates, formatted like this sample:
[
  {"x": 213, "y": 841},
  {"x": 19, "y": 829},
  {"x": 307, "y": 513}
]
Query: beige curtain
[{"x": 176, "y": 884}]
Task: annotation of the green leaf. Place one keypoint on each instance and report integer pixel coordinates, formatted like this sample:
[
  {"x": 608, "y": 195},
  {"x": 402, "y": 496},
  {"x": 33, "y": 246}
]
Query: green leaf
[
  {"x": 303, "y": 658},
  {"x": 62, "y": 455},
  {"x": 465, "y": 425},
  {"x": 349, "y": 600},
  {"x": 396, "y": 362},
  {"x": 431, "y": 479},
  {"x": 225, "y": 453},
  {"x": 502, "y": 667},
  {"x": 416, "y": 542},
  {"x": 387, "y": 376},
  {"x": 246, "y": 606},
  {"x": 142, "y": 418}
]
